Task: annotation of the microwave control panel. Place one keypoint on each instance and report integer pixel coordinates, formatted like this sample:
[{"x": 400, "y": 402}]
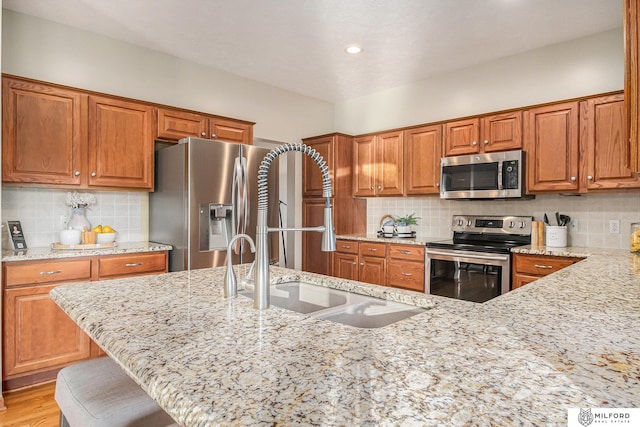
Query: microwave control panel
[{"x": 510, "y": 175}]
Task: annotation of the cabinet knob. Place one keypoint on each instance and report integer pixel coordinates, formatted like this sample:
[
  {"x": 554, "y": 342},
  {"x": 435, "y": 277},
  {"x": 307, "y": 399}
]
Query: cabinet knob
[
  {"x": 354, "y": 263},
  {"x": 486, "y": 142},
  {"x": 77, "y": 173},
  {"x": 203, "y": 134},
  {"x": 474, "y": 143},
  {"x": 371, "y": 188},
  {"x": 214, "y": 136},
  {"x": 379, "y": 187},
  {"x": 589, "y": 177},
  {"x": 362, "y": 263},
  {"x": 93, "y": 174},
  {"x": 437, "y": 184},
  {"x": 573, "y": 178}
]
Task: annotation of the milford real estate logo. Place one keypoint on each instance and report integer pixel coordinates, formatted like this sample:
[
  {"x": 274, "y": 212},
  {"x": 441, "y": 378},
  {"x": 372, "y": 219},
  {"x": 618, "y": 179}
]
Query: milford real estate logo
[
  {"x": 585, "y": 417},
  {"x": 579, "y": 417}
]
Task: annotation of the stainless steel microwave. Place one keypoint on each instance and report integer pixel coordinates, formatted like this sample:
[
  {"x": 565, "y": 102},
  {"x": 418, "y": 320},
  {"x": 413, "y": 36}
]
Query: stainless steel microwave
[{"x": 483, "y": 176}]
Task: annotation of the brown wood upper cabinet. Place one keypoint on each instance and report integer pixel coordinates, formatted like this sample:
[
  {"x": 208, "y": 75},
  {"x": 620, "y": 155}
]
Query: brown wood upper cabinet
[
  {"x": 43, "y": 133},
  {"x": 120, "y": 143},
  {"x": 632, "y": 77},
  {"x": 174, "y": 125},
  {"x": 606, "y": 157},
  {"x": 499, "y": 132},
  {"x": 551, "y": 142},
  {"x": 422, "y": 153},
  {"x": 378, "y": 165},
  {"x": 59, "y": 136}
]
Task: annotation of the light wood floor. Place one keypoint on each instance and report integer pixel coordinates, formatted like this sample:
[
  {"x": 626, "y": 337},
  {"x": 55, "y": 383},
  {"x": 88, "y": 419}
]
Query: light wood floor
[{"x": 34, "y": 407}]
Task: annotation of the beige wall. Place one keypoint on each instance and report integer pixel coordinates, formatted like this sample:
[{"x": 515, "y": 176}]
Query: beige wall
[
  {"x": 580, "y": 67},
  {"x": 47, "y": 51}
]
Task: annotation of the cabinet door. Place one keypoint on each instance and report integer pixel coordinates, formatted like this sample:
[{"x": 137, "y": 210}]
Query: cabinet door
[
  {"x": 312, "y": 177},
  {"x": 520, "y": 280},
  {"x": 313, "y": 259},
  {"x": 37, "y": 334},
  {"x": 364, "y": 166},
  {"x": 120, "y": 143},
  {"x": 551, "y": 141},
  {"x": 230, "y": 131},
  {"x": 422, "y": 153},
  {"x": 607, "y": 160},
  {"x": 502, "y": 132},
  {"x": 372, "y": 270},
  {"x": 632, "y": 76},
  {"x": 43, "y": 129},
  {"x": 345, "y": 266},
  {"x": 461, "y": 137},
  {"x": 174, "y": 125},
  {"x": 389, "y": 164}
]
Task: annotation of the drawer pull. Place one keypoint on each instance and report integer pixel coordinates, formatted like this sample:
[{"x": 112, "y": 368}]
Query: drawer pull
[
  {"x": 46, "y": 273},
  {"x": 542, "y": 266},
  {"x": 407, "y": 274},
  {"x": 133, "y": 264},
  {"x": 405, "y": 252},
  {"x": 346, "y": 246},
  {"x": 373, "y": 249}
]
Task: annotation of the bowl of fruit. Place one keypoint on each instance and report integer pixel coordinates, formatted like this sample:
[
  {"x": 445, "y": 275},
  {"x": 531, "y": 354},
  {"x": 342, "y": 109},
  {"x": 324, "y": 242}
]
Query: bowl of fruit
[{"x": 105, "y": 234}]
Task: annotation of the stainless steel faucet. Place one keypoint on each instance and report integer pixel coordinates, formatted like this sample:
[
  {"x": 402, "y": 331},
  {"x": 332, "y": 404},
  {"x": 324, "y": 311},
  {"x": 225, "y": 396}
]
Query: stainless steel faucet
[
  {"x": 261, "y": 291},
  {"x": 230, "y": 282}
]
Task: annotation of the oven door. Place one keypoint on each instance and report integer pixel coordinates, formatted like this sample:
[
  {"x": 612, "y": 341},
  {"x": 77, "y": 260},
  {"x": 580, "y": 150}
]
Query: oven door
[{"x": 467, "y": 275}]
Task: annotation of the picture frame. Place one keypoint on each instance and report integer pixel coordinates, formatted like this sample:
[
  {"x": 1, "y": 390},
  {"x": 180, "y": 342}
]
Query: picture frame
[{"x": 16, "y": 235}]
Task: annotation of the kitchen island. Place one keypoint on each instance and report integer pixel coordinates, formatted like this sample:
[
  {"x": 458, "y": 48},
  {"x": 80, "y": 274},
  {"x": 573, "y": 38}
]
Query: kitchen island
[{"x": 568, "y": 340}]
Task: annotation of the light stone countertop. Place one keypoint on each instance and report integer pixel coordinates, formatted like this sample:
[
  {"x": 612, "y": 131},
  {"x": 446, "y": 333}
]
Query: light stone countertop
[
  {"x": 49, "y": 253},
  {"x": 418, "y": 240},
  {"x": 567, "y": 340}
]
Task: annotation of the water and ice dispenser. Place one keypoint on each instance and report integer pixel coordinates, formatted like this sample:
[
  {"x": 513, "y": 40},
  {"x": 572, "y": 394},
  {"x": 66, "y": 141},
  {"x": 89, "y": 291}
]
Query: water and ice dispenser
[{"x": 215, "y": 226}]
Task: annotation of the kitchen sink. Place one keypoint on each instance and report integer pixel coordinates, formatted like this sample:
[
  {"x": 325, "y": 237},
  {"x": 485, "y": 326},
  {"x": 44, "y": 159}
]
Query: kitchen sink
[{"x": 338, "y": 306}]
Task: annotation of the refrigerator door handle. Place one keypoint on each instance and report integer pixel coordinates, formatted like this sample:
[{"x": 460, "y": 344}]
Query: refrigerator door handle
[
  {"x": 245, "y": 196},
  {"x": 236, "y": 197}
]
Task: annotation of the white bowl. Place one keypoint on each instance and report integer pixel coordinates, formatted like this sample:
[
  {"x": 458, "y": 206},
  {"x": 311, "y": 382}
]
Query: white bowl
[{"x": 105, "y": 237}]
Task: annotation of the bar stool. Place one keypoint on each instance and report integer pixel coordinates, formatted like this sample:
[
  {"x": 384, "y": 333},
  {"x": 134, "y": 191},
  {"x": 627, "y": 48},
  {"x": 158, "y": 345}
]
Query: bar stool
[{"x": 98, "y": 393}]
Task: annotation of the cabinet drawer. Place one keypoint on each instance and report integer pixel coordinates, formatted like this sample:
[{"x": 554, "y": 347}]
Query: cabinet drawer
[
  {"x": 347, "y": 246},
  {"x": 373, "y": 249},
  {"x": 34, "y": 272},
  {"x": 407, "y": 252},
  {"x": 127, "y": 265},
  {"x": 540, "y": 265},
  {"x": 407, "y": 275}
]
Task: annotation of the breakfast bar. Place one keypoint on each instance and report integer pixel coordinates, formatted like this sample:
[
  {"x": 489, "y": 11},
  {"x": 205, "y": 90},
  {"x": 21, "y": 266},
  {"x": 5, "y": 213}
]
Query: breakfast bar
[{"x": 567, "y": 340}]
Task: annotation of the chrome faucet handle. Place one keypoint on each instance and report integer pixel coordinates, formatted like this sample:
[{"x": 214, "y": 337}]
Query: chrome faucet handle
[
  {"x": 230, "y": 281},
  {"x": 249, "y": 276}
]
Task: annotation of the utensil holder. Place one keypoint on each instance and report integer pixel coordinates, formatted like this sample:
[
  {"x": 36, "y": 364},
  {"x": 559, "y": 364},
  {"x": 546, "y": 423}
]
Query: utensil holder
[{"x": 556, "y": 236}]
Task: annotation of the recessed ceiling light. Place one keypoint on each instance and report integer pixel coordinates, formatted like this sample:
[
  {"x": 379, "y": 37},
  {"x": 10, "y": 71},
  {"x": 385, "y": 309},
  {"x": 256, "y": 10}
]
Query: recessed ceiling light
[{"x": 353, "y": 49}]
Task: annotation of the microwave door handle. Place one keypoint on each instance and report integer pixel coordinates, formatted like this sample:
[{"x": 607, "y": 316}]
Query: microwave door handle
[{"x": 500, "y": 186}]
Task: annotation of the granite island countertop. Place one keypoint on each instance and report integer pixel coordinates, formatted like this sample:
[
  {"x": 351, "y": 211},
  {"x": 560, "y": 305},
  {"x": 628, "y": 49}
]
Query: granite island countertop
[
  {"x": 567, "y": 340},
  {"x": 41, "y": 253}
]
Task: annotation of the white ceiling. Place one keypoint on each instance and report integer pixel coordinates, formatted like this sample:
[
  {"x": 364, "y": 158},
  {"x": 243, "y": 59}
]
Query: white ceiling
[{"x": 298, "y": 45}]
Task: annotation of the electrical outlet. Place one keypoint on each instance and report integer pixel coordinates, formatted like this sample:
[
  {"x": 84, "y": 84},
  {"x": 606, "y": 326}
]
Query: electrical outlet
[
  {"x": 614, "y": 226},
  {"x": 573, "y": 225}
]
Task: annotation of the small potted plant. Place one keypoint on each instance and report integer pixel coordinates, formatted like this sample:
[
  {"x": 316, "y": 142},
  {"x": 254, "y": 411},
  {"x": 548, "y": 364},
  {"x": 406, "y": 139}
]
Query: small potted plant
[{"x": 404, "y": 224}]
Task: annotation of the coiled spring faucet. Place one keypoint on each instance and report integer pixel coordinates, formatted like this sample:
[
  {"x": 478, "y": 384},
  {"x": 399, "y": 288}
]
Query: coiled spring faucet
[{"x": 261, "y": 291}]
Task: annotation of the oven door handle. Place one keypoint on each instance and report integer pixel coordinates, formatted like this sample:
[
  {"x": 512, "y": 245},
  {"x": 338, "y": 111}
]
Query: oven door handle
[{"x": 489, "y": 257}]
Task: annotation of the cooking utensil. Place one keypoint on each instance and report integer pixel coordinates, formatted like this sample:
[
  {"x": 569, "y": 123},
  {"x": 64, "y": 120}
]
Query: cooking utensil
[
  {"x": 565, "y": 219},
  {"x": 558, "y": 219},
  {"x": 546, "y": 219}
]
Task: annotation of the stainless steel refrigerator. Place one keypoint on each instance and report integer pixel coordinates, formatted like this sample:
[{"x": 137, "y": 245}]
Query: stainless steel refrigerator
[{"x": 206, "y": 193}]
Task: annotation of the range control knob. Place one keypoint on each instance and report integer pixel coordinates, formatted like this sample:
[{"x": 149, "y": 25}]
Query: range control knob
[
  {"x": 460, "y": 223},
  {"x": 469, "y": 223},
  {"x": 511, "y": 224},
  {"x": 522, "y": 224}
]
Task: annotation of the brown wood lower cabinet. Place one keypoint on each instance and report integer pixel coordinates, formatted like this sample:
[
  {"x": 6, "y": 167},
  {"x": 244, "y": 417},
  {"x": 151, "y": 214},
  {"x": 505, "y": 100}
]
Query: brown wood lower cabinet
[
  {"x": 38, "y": 337},
  {"x": 386, "y": 264},
  {"x": 527, "y": 268}
]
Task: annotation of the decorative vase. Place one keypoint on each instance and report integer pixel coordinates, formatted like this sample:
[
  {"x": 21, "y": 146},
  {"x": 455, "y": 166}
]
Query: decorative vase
[{"x": 78, "y": 220}]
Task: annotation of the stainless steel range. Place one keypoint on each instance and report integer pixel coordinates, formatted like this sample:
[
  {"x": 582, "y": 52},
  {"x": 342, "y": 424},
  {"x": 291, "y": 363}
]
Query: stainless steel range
[{"x": 476, "y": 264}]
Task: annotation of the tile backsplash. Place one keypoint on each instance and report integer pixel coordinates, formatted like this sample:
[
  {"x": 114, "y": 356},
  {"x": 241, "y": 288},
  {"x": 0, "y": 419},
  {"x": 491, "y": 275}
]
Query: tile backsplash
[
  {"x": 43, "y": 213},
  {"x": 592, "y": 213}
]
